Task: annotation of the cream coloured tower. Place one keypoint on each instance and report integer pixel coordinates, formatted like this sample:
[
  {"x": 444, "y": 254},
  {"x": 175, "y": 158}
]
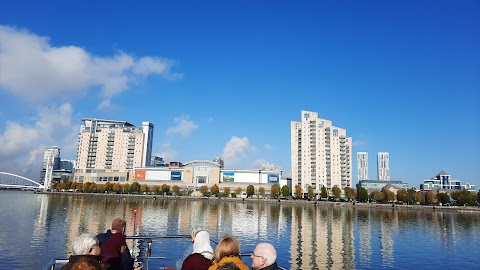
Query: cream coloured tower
[
  {"x": 362, "y": 164},
  {"x": 383, "y": 166},
  {"x": 321, "y": 154},
  {"x": 106, "y": 147}
]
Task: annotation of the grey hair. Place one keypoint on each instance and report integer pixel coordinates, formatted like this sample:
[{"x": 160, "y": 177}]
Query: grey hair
[{"x": 82, "y": 244}]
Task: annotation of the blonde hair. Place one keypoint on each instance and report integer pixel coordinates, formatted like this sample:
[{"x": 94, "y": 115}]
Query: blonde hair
[
  {"x": 227, "y": 247},
  {"x": 194, "y": 233},
  {"x": 119, "y": 224}
]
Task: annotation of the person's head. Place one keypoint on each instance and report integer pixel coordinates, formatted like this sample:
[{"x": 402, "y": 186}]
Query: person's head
[
  {"x": 202, "y": 244},
  {"x": 228, "y": 266},
  {"x": 86, "y": 264},
  {"x": 86, "y": 243},
  {"x": 119, "y": 225},
  {"x": 263, "y": 255},
  {"x": 227, "y": 247},
  {"x": 194, "y": 233}
]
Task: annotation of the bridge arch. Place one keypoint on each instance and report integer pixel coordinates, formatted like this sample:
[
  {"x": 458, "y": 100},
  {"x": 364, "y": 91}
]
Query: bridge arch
[{"x": 17, "y": 181}]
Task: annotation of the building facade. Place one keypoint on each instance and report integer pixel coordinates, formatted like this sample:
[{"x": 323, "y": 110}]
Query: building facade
[
  {"x": 362, "y": 164},
  {"x": 112, "y": 149},
  {"x": 320, "y": 153},
  {"x": 444, "y": 182},
  {"x": 383, "y": 166}
]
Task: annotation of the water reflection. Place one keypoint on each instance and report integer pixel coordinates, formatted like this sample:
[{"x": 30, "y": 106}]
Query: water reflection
[{"x": 306, "y": 236}]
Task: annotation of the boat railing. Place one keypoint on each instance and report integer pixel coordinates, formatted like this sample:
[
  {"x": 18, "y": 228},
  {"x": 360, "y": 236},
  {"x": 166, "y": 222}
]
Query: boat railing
[{"x": 56, "y": 264}]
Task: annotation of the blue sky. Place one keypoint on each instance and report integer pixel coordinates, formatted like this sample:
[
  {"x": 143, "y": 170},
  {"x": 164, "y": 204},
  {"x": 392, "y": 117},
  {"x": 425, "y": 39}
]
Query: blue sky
[{"x": 225, "y": 78}]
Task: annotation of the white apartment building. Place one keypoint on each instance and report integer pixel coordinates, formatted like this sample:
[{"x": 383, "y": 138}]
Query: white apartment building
[
  {"x": 109, "y": 150},
  {"x": 321, "y": 154},
  {"x": 383, "y": 166},
  {"x": 362, "y": 164},
  {"x": 51, "y": 155}
]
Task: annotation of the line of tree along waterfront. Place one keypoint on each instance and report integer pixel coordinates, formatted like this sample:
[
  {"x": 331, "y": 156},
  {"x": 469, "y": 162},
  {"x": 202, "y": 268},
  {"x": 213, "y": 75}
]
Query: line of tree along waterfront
[{"x": 409, "y": 196}]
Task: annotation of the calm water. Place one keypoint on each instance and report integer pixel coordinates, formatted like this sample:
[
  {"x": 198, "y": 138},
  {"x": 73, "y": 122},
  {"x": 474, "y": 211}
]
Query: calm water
[{"x": 36, "y": 228}]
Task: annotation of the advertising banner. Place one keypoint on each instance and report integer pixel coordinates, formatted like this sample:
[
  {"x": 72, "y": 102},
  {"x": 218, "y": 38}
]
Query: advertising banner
[
  {"x": 139, "y": 175},
  {"x": 273, "y": 178},
  {"x": 228, "y": 177},
  {"x": 176, "y": 176}
]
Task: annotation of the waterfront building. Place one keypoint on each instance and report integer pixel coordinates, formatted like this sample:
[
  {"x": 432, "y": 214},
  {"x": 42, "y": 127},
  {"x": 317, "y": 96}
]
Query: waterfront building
[
  {"x": 194, "y": 174},
  {"x": 109, "y": 150},
  {"x": 443, "y": 182},
  {"x": 362, "y": 164},
  {"x": 320, "y": 154},
  {"x": 66, "y": 164},
  {"x": 383, "y": 166}
]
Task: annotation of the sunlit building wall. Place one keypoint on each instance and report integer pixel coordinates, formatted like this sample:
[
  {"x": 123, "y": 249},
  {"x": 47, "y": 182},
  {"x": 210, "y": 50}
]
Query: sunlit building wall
[
  {"x": 320, "y": 153},
  {"x": 383, "y": 166}
]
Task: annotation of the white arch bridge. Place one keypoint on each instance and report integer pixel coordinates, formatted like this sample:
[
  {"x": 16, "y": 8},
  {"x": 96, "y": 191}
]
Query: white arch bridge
[{"x": 10, "y": 180}]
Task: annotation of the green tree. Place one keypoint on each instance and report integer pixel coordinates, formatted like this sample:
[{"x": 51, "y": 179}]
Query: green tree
[
  {"x": 443, "y": 198},
  {"x": 134, "y": 187},
  {"x": 388, "y": 196},
  {"x": 402, "y": 195},
  {"x": 165, "y": 189},
  {"x": 430, "y": 198},
  {"x": 310, "y": 192},
  {"x": 362, "y": 194},
  {"x": 116, "y": 187},
  {"x": 250, "y": 191},
  {"x": 349, "y": 193},
  {"x": 464, "y": 197},
  {"x": 126, "y": 188},
  {"x": 285, "y": 191},
  {"x": 324, "y": 193},
  {"x": 298, "y": 192},
  {"x": 261, "y": 191},
  {"x": 226, "y": 191},
  {"x": 411, "y": 195},
  {"x": 156, "y": 189},
  {"x": 336, "y": 192},
  {"x": 377, "y": 196},
  {"x": 215, "y": 190},
  {"x": 176, "y": 190},
  {"x": 419, "y": 197},
  {"x": 144, "y": 189},
  {"x": 108, "y": 187},
  {"x": 275, "y": 191},
  {"x": 478, "y": 197}
]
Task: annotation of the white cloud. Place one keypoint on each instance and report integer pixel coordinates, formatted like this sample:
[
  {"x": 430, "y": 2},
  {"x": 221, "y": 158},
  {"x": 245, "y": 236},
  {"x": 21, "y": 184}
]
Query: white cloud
[
  {"x": 268, "y": 147},
  {"x": 235, "y": 150},
  {"x": 23, "y": 144},
  {"x": 183, "y": 126},
  {"x": 358, "y": 143},
  {"x": 33, "y": 69}
]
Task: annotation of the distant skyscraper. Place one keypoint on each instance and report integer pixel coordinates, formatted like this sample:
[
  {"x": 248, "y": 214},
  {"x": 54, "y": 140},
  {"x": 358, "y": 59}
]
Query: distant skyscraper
[
  {"x": 66, "y": 164},
  {"x": 383, "y": 167},
  {"x": 362, "y": 164},
  {"x": 320, "y": 153},
  {"x": 157, "y": 161},
  {"x": 147, "y": 146},
  {"x": 52, "y": 154}
]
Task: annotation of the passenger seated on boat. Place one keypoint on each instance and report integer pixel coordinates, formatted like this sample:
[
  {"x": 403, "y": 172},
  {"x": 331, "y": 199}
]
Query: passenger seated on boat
[
  {"x": 264, "y": 256},
  {"x": 202, "y": 255},
  {"x": 114, "y": 247},
  {"x": 228, "y": 266},
  {"x": 189, "y": 250},
  {"x": 85, "y": 246},
  {"x": 228, "y": 250}
]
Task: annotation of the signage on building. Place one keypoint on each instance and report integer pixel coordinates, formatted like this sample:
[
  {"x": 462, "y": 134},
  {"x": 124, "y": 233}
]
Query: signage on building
[
  {"x": 139, "y": 175},
  {"x": 228, "y": 177},
  {"x": 176, "y": 176},
  {"x": 273, "y": 178}
]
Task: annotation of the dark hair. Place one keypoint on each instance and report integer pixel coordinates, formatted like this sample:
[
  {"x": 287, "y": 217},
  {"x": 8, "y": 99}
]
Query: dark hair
[{"x": 228, "y": 266}]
